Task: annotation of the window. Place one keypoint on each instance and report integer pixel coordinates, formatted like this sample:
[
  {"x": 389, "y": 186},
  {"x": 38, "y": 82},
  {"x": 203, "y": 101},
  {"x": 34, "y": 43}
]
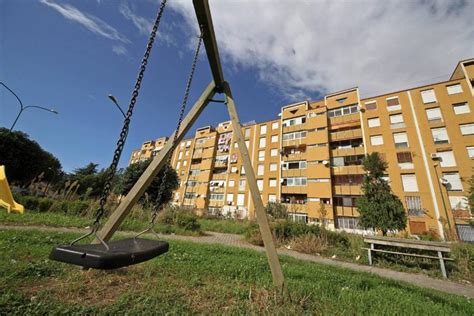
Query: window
[
  {"x": 247, "y": 143},
  {"x": 294, "y": 121},
  {"x": 405, "y": 160},
  {"x": 180, "y": 155},
  {"x": 272, "y": 198},
  {"x": 347, "y": 179},
  {"x": 393, "y": 104},
  {"x": 242, "y": 170},
  {"x": 231, "y": 183},
  {"x": 262, "y": 143},
  {"x": 345, "y": 200},
  {"x": 216, "y": 196},
  {"x": 274, "y": 152},
  {"x": 274, "y": 138},
  {"x": 454, "y": 89},
  {"x": 348, "y": 223},
  {"x": 272, "y": 183},
  {"x": 373, "y": 122},
  {"x": 178, "y": 164},
  {"x": 298, "y": 217},
  {"x": 414, "y": 207},
  {"x": 263, "y": 129},
  {"x": 447, "y": 158},
  {"x": 470, "y": 151},
  {"x": 247, "y": 132},
  {"x": 194, "y": 172},
  {"x": 296, "y": 181},
  {"x": 186, "y": 153},
  {"x": 459, "y": 203},
  {"x": 409, "y": 183},
  {"x": 461, "y": 108},
  {"x": 295, "y": 135},
  {"x": 260, "y": 184},
  {"x": 353, "y": 160},
  {"x": 453, "y": 181},
  {"x": 241, "y": 199},
  {"x": 234, "y": 170},
  {"x": 185, "y": 163},
  {"x": 428, "y": 96},
  {"x": 372, "y": 105},
  {"x": 294, "y": 165},
  {"x": 434, "y": 115},
  {"x": 261, "y": 155},
  {"x": 275, "y": 125},
  {"x": 376, "y": 140},
  {"x": 273, "y": 166},
  {"x": 401, "y": 140},
  {"x": 230, "y": 198},
  {"x": 467, "y": 129},
  {"x": 345, "y": 110},
  {"x": 190, "y": 195},
  {"x": 260, "y": 170},
  {"x": 242, "y": 183},
  {"x": 396, "y": 121},
  {"x": 440, "y": 135}
]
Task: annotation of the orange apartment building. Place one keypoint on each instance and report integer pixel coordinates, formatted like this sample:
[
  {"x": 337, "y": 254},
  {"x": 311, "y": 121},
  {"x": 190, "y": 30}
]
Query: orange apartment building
[{"x": 310, "y": 157}]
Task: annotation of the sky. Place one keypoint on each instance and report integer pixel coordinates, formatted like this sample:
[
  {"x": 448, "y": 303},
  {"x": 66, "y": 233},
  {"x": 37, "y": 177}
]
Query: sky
[{"x": 69, "y": 55}]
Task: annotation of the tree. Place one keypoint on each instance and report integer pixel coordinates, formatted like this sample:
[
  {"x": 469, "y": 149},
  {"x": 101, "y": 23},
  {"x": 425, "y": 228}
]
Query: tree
[
  {"x": 24, "y": 159},
  {"x": 470, "y": 198},
  {"x": 89, "y": 180},
  {"x": 379, "y": 208},
  {"x": 276, "y": 210},
  {"x": 134, "y": 171}
]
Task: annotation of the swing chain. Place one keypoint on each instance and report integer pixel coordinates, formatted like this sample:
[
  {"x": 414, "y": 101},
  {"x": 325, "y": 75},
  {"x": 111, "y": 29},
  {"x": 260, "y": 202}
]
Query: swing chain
[
  {"x": 123, "y": 134},
  {"x": 162, "y": 188}
]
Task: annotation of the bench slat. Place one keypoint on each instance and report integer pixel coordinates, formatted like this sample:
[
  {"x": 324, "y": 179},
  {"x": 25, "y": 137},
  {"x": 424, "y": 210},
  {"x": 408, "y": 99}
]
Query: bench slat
[
  {"x": 408, "y": 244},
  {"x": 408, "y": 254}
]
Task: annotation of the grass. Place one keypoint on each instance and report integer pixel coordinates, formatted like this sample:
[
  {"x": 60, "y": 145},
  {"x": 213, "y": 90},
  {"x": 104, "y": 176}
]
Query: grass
[
  {"x": 225, "y": 226},
  {"x": 199, "y": 278}
]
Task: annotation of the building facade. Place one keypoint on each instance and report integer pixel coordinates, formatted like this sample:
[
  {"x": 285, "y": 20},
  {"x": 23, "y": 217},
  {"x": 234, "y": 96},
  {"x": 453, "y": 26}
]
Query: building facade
[{"x": 310, "y": 157}]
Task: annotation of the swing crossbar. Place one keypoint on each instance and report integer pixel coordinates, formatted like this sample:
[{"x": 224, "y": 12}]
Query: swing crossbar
[{"x": 204, "y": 18}]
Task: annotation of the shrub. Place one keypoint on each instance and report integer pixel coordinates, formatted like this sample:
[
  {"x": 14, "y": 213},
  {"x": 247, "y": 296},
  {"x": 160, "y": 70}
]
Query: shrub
[
  {"x": 253, "y": 235},
  {"x": 276, "y": 210},
  {"x": 286, "y": 230},
  {"x": 463, "y": 255},
  {"x": 310, "y": 243},
  {"x": 180, "y": 217}
]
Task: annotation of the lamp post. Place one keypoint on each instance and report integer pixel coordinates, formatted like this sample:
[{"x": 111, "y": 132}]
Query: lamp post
[
  {"x": 23, "y": 108},
  {"x": 114, "y": 101},
  {"x": 436, "y": 160}
]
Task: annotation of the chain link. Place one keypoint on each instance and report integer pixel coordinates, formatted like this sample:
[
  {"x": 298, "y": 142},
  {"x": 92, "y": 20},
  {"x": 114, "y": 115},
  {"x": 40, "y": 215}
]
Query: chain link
[
  {"x": 162, "y": 188},
  {"x": 123, "y": 134}
]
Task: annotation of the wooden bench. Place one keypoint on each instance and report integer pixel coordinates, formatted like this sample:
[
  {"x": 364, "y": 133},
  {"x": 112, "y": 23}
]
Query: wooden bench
[{"x": 438, "y": 247}]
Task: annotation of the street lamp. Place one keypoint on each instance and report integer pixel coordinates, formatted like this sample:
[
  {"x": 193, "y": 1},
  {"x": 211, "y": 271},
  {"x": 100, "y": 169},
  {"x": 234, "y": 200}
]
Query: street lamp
[
  {"x": 436, "y": 159},
  {"x": 23, "y": 108},
  {"x": 114, "y": 100}
]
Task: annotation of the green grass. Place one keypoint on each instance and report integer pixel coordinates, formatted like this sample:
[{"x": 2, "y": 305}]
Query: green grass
[
  {"x": 199, "y": 278},
  {"x": 224, "y": 226}
]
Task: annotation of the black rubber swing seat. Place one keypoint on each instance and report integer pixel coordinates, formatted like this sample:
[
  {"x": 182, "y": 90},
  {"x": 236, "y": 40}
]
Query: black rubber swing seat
[{"x": 121, "y": 253}]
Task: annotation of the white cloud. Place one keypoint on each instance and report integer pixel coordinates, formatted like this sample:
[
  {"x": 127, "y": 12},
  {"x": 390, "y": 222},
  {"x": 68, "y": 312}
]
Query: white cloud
[
  {"x": 145, "y": 25},
  {"x": 91, "y": 22},
  {"x": 119, "y": 50},
  {"x": 310, "y": 47}
]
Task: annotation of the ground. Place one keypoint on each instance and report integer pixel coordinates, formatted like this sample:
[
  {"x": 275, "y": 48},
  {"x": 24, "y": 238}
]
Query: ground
[{"x": 199, "y": 278}]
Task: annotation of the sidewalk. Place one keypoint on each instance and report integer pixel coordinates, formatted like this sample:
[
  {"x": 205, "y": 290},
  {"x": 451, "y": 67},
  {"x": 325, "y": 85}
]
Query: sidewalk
[{"x": 238, "y": 241}]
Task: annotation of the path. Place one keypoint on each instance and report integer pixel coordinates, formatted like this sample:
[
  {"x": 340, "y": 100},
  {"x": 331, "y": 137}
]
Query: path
[{"x": 238, "y": 241}]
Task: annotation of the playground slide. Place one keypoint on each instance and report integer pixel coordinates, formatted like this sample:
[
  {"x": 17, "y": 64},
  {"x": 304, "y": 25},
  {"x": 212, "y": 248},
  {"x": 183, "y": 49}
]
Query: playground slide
[{"x": 6, "y": 197}]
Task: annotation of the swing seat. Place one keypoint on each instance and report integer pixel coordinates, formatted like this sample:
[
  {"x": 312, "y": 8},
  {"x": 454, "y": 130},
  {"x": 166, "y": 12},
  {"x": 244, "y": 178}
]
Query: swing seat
[{"x": 121, "y": 253}]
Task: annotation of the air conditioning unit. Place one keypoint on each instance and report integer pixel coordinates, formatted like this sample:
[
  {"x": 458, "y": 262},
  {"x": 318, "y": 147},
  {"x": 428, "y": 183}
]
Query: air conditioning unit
[
  {"x": 435, "y": 156},
  {"x": 325, "y": 162},
  {"x": 443, "y": 181}
]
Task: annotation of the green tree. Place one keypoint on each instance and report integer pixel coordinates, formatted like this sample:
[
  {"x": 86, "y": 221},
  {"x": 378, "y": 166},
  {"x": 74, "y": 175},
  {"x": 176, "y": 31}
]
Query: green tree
[
  {"x": 89, "y": 178},
  {"x": 379, "y": 208},
  {"x": 24, "y": 159},
  {"x": 131, "y": 174},
  {"x": 276, "y": 210},
  {"x": 470, "y": 197}
]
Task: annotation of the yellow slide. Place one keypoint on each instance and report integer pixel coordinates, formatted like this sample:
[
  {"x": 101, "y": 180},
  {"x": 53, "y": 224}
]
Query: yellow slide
[{"x": 6, "y": 197}]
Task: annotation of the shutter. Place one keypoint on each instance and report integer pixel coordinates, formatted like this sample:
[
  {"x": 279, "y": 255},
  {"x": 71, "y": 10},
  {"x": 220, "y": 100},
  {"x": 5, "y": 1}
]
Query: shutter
[
  {"x": 260, "y": 170},
  {"x": 454, "y": 181},
  {"x": 447, "y": 159},
  {"x": 376, "y": 140},
  {"x": 454, "y": 89},
  {"x": 440, "y": 134},
  {"x": 395, "y": 119},
  {"x": 409, "y": 183},
  {"x": 461, "y": 108},
  {"x": 433, "y": 114},
  {"x": 428, "y": 96},
  {"x": 241, "y": 199},
  {"x": 467, "y": 129},
  {"x": 393, "y": 101},
  {"x": 373, "y": 122},
  {"x": 400, "y": 138}
]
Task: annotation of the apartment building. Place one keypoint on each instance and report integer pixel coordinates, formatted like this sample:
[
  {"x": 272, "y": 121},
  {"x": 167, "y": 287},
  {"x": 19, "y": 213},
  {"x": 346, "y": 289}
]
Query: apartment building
[{"x": 310, "y": 157}]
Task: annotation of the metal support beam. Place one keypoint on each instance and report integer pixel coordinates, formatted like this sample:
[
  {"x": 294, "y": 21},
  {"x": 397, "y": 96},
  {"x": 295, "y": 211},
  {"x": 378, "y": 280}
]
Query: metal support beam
[
  {"x": 275, "y": 267},
  {"x": 155, "y": 166},
  {"x": 204, "y": 18}
]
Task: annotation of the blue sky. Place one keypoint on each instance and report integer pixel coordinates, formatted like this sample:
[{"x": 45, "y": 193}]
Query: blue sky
[{"x": 68, "y": 55}]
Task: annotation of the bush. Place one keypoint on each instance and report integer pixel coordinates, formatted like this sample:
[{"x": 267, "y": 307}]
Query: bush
[
  {"x": 44, "y": 204},
  {"x": 180, "y": 217},
  {"x": 310, "y": 244},
  {"x": 286, "y": 230},
  {"x": 253, "y": 235},
  {"x": 276, "y": 210},
  {"x": 463, "y": 255}
]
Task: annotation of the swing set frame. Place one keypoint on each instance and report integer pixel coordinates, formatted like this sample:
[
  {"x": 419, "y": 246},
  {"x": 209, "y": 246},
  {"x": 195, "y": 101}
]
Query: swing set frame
[{"x": 217, "y": 86}]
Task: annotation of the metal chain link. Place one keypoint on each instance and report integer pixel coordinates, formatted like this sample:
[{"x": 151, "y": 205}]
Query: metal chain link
[
  {"x": 162, "y": 188},
  {"x": 123, "y": 134}
]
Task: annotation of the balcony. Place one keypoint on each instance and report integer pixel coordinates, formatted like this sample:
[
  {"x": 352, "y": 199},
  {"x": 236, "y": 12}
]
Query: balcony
[
  {"x": 293, "y": 189},
  {"x": 348, "y": 134},
  {"x": 294, "y": 128}
]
